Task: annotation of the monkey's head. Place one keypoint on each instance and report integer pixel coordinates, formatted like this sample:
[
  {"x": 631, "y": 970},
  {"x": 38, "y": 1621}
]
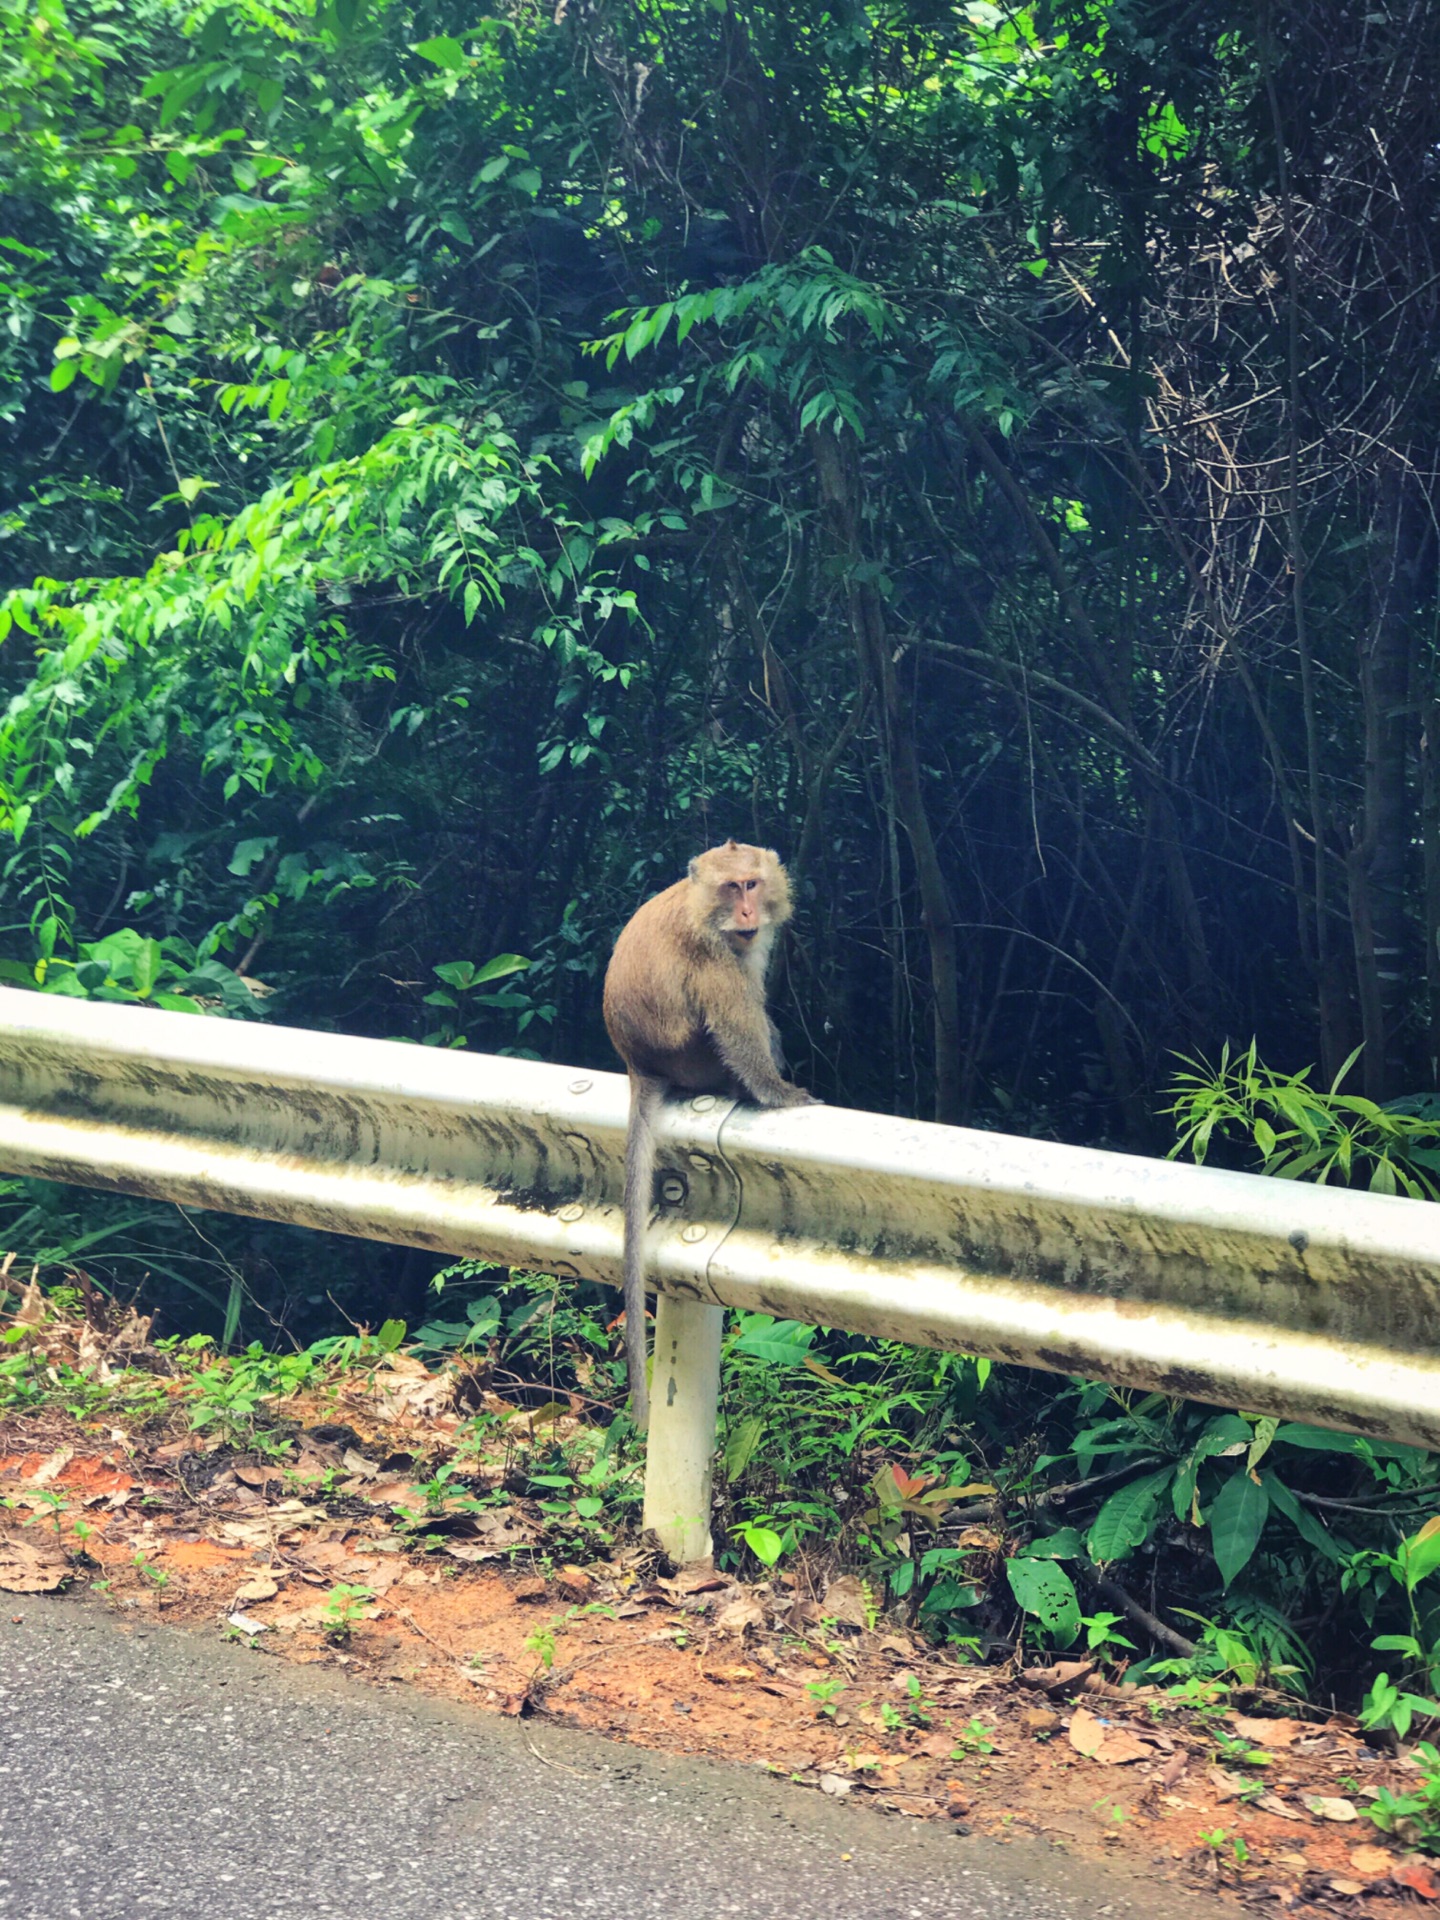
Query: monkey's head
[{"x": 740, "y": 892}]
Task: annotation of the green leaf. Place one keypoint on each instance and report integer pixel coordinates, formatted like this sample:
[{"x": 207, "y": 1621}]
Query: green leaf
[
  {"x": 782, "y": 1342},
  {"x": 248, "y": 854},
  {"x": 145, "y": 967},
  {"x": 1128, "y": 1517},
  {"x": 1308, "y": 1525},
  {"x": 444, "y": 52},
  {"x": 1237, "y": 1519},
  {"x": 1064, "y": 1544},
  {"x": 740, "y": 1444},
  {"x": 62, "y": 375},
  {"x": 1318, "y": 1439},
  {"x": 1419, "y": 1555},
  {"x": 1225, "y": 1430},
  {"x": 763, "y": 1542},
  {"x": 502, "y": 965},
  {"x": 1044, "y": 1589}
]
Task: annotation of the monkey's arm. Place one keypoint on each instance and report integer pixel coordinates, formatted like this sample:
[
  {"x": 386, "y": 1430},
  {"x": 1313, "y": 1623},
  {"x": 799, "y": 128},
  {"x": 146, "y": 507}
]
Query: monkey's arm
[
  {"x": 777, "y": 1050},
  {"x": 745, "y": 1039}
]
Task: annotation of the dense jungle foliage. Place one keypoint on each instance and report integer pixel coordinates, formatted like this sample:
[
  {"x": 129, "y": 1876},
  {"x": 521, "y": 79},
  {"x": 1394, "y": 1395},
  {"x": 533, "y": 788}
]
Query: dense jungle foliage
[{"x": 459, "y": 461}]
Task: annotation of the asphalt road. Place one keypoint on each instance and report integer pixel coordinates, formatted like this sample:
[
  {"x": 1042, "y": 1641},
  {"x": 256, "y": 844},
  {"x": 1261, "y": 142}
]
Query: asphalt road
[{"x": 147, "y": 1773}]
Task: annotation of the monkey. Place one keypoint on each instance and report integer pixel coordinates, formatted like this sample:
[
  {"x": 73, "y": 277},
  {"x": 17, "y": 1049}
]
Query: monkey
[{"x": 685, "y": 1008}]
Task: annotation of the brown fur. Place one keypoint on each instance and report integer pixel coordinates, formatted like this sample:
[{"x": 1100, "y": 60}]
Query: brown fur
[{"x": 685, "y": 1007}]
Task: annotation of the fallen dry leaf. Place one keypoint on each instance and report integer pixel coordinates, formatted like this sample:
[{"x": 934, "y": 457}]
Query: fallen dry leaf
[
  {"x": 1086, "y": 1732},
  {"x": 1226, "y": 1785},
  {"x": 241, "y": 1533},
  {"x": 258, "y": 1476},
  {"x": 393, "y": 1492},
  {"x": 501, "y": 1527},
  {"x": 406, "y": 1385},
  {"x": 740, "y": 1613},
  {"x": 1327, "y": 1806},
  {"x": 32, "y": 1310},
  {"x": 529, "y": 1590},
  {"x": 833, "y": 1784},
  {"x": 262, "y": 1587},
  {"x": 47, "y": 1470},
  {"x": 323, "y": 1556},
  {"x": 1269, "y": 1802},
  {"x": 847, "y": 1603},
  {"x": 1112, "y": 1745},
  {"x": 984, "y": 1538},
  {"x": 692, "y": 1580},
  {"x": 1054, "y": 1679},
  {"x": 32, "y": 1566},
  {"x": 1418, "y": 1878},
  {"x": 1120, "y": 1747},
  {"x": 1374, "y": 1862},
  {"x": 1340, "y": 1884},
  {"x": 911, "y": 1806},
  {"x": 1268, "y": 1733}
]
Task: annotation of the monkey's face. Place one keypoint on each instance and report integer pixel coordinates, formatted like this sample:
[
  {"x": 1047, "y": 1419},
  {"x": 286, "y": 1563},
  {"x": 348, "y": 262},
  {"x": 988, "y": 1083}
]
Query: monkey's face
[
  {"x": 744, "y": 891},
  {"x": 740, "y": 905}
]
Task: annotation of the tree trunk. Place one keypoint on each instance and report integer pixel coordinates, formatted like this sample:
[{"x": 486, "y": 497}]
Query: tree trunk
[
  {"x": 839, "y": 489},
  {"x": 1380, "y": 857}
]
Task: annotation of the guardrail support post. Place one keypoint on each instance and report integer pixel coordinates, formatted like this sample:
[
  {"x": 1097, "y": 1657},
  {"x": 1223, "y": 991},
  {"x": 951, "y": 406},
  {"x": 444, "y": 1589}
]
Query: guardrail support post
[{"x": 684, "y": 1404}]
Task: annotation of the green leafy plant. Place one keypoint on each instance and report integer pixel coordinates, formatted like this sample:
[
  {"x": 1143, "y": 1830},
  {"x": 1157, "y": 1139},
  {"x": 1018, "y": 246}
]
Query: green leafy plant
[
  {"x": 1300, "y": 1132},
  {"x": 1415, "y": 1814},
  {"x": 973, "y": 1737},
  {"x": 1389, "y": 1707},
  {"x": 823, "y": 1693},
  {"x": 461, "y": 980},
  {"x": 345, "y": 1606},
  {"x": 542, "y": 1644}
]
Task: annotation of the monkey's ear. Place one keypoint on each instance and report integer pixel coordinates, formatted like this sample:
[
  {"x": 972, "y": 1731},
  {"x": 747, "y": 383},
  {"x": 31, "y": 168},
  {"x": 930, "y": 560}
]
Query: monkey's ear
[
  {"x": 695, "y": 871},
  {"x": 731, "y": 844}
]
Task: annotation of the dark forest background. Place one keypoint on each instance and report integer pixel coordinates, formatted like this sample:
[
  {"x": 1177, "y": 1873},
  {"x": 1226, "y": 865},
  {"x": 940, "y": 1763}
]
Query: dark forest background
[{"x": 460, "y": 461}]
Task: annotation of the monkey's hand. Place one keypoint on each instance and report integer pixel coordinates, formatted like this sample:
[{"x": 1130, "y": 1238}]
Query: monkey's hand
[{"x": 797, "y": 1097}]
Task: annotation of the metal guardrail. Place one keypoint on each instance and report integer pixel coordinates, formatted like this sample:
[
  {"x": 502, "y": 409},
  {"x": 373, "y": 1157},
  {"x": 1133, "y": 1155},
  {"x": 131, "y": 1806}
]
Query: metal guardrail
[{"x": 1318, "y": 1304}]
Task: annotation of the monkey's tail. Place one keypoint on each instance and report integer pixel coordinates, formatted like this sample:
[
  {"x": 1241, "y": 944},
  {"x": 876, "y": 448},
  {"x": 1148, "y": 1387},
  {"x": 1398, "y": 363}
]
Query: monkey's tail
[{"x": 645, "y": 1098}]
